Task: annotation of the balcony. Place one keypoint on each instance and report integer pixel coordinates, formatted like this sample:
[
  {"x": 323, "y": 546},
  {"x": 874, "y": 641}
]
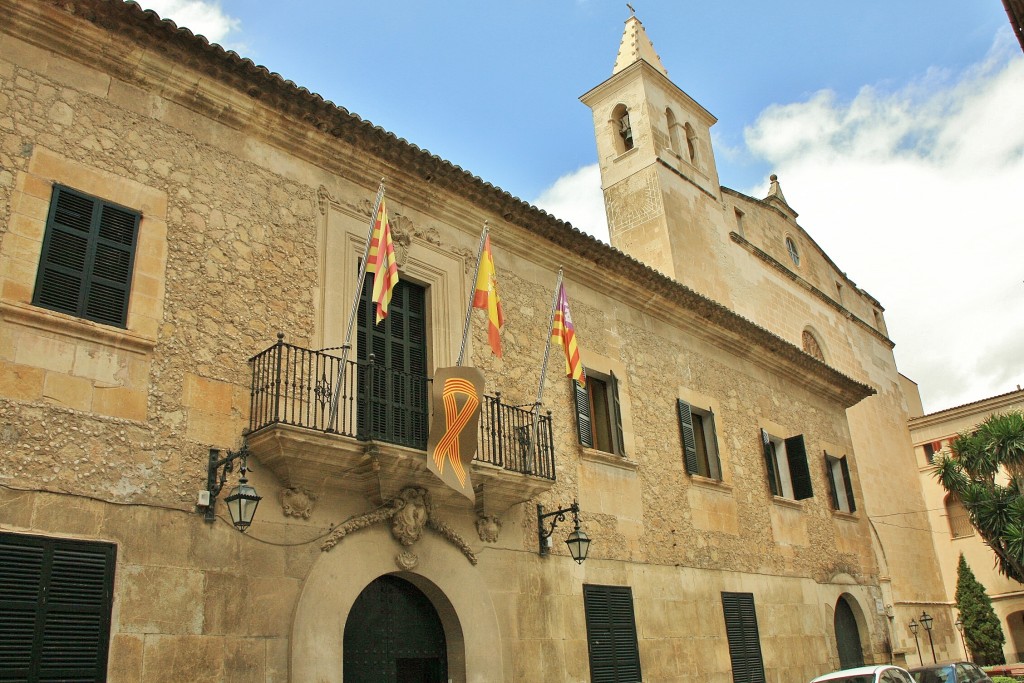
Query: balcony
[{"x": 377, "y": 446}]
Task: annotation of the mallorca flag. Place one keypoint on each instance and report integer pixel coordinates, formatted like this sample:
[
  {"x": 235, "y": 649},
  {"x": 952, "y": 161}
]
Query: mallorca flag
[
  {"x": 381, "y": 262},
  {"x": 486, "y": 297},
  {"x": 563, "y": 333}
]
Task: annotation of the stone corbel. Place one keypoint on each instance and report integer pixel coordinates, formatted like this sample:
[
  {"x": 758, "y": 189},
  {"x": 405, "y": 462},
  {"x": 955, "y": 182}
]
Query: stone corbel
[{"x": 410, "y": 512}]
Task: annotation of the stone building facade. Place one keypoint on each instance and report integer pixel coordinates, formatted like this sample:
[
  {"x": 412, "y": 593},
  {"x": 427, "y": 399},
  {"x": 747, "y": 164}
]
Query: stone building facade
[
  {"x": 742, "y": 423},
  {"x": 950, "y": 526},
  {"x": 666, "y": 208}
]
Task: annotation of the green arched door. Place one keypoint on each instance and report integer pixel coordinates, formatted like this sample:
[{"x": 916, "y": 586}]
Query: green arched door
[
  {"x": 847, "y": 636},
  {"x": 394, "y": 635}
]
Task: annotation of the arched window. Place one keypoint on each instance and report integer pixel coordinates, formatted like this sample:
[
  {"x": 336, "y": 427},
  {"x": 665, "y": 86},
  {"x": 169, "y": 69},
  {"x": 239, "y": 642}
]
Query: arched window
[
  {"x": 621, "y": 129},
  {"x": 794, "y": 253},
  {"x": 675, "y": 144},
  {"x": 959, "y": 520},
  {"x": 691, "y": 143},
  {"x": 811, "y": 345}
]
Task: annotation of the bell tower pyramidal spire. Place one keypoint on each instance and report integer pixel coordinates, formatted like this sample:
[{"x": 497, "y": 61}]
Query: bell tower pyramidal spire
[
  {"x": 636, "y": 45},
  {"x": 657, "y": 166}
]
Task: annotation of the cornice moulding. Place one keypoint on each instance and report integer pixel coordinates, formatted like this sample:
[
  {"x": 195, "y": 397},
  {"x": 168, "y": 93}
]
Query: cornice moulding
[{"x": 179, "y": 66}]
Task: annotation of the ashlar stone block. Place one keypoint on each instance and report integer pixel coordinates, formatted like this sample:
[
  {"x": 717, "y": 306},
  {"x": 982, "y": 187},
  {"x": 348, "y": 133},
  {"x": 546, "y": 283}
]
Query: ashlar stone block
[
  {"x": 175, "y": 658},
  {"x": 179, "y": 609}
]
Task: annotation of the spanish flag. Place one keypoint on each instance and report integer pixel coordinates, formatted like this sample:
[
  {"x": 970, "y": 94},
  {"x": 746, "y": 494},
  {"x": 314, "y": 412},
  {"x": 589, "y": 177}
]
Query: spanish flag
[
  {"x": 564, "y": 334},
  {"x": 381, "y": 262},
  {"x": 486, "y": 297}
]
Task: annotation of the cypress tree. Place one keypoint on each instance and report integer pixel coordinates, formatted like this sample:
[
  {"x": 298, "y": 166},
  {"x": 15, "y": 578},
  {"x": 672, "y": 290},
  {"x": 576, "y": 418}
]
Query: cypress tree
[{"x": 982, "y": 630}]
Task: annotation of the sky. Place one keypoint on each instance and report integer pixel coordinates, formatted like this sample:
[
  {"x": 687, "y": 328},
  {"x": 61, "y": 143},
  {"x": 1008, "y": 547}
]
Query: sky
[{"x": 896, "y": 129}]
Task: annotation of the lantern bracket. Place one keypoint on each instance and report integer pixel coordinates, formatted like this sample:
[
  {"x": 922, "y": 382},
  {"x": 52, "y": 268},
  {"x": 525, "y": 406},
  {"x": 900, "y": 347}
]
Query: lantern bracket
[{"x": 225, "y": 465}]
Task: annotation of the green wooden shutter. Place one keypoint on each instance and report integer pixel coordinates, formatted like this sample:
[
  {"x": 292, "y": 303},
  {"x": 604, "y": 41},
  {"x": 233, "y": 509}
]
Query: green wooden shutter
[
  {"x": 848, "y": 482},
  {"x": 87, "y": 258},
  {"x": 686, "y": 430},
  {"x": 393, "y": 396},
  {"x": 799, "y": 473},
  {"x": 769, "y": 461},
  {"x": 584, "y": 432},
  {"x": 743, "y": 636},
  {"x": 55, "y": 598},
  {"x": 611, "y": 634},
  {"x": 617, "y": 416},
  {"x": 830, "y": 474},
  {"x": 714, "y": 460}
]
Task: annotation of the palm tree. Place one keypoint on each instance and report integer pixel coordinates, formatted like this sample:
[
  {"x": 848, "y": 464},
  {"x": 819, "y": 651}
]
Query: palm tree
[{"x": 985, "y": 471}]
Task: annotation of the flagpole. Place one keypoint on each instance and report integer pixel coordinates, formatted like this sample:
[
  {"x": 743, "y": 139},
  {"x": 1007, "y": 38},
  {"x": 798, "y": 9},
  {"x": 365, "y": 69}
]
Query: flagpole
[
  {"x": 544, "y": 365},
  {"x": 332, "y": 420},
  {"x": 472, "y": 293}
]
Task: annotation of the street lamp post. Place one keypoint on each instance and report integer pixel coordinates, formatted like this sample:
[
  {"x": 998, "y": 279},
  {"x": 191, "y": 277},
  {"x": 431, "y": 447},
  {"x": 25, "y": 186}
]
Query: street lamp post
[
  {"x": 913, "y": 629},
  {"x": 959, "y": 623},
  {"x": 926, "y": 621}
]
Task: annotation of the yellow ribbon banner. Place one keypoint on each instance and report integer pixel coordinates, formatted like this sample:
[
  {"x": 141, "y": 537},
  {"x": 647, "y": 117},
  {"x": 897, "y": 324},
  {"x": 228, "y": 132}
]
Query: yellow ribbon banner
[{"x": 456, "y": 397}]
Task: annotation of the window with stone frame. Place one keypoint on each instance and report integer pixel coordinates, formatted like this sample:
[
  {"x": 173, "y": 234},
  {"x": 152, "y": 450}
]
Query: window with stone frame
[
  {"x": 691, "y": 143},
  {"x": 794, "y": 253},
  {"x": 786, "y": 465},
  {"x": 744, "y": 639},
  {"x": 623, "y": 130},
  {"x": 88, "y": 253},
  {"x": 611, "y": 634},
  {"x": 55, "y": 597},
  {"x": 700, "y": 443},
  {"x": 673, "y": 131},
  {"x": 811, "y": 345},
  {"x": 840, "y": 483},
  {"x": 599, "y": 414},
  {"x": 958, "y": 518}
]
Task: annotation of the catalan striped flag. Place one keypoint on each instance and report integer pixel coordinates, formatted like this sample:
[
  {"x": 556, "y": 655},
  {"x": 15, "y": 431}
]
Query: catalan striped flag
[
  {"x": 381, "y": 262},
  {"x": 486, "y": 297},
  {"x": 564, "y": 334}
]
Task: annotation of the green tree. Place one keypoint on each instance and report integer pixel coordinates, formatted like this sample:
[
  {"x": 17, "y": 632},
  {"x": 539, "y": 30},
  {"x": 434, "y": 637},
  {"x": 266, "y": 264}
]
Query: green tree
[
  {"x": 982, "y": 631},
  {"x": 985, "y": 471}
]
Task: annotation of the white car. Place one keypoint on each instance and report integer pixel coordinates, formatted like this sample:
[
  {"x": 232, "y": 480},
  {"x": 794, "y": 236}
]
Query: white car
[{"x": 867, "y": 674}]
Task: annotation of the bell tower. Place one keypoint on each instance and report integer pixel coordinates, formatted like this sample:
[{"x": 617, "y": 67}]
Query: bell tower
[{"x": 657, "y": 166}]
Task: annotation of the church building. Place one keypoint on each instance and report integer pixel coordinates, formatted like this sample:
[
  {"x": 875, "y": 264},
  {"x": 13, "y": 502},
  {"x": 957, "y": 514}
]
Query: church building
[{"x": 731, "y": 496}]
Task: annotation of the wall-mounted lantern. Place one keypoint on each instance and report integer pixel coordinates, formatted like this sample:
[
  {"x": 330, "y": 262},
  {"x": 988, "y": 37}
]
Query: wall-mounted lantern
[
  {"x": 242, "y": 500},
  {"x": 578, "y": 542}
]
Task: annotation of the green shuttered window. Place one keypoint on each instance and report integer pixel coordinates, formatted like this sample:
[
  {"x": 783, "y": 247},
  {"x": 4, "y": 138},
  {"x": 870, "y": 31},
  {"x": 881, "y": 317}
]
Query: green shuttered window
[
  {"x": 700, "y": 444},
  {"x": 837, "y": 471},
  {"x": 55, "y": 598},
  {"x": 599, "y": 413},
  {"x": 744, "y": 640},
  {"x": 786, "y": 466},
  {"x": 87, "y": 258},
  {"x": 611, "y": 634},
  {"x": 393, "y": 393}
]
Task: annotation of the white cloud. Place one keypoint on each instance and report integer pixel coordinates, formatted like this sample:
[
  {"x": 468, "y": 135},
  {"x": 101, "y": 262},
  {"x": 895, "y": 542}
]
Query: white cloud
[
  {"x": 577, "y": 198},
  {"x": 202, "y": 17},
  {"x": 916, "y": 194}
]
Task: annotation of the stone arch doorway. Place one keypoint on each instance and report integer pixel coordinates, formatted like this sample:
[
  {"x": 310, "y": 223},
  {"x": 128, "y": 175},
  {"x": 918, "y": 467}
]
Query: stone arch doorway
[
  {"x": 1014, "y": 631},
  {"x": 847, "y": 635},
  {"x": 394, "y": 635},
  {"x": 455, "y": 587}
]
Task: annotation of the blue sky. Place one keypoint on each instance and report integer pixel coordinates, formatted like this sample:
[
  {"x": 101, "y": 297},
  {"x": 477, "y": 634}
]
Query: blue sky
[{"x": 895, "y": 128}]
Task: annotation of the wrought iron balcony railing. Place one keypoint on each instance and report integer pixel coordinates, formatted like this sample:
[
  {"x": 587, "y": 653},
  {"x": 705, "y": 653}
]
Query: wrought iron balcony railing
[{"x": 294, "y": 386}]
